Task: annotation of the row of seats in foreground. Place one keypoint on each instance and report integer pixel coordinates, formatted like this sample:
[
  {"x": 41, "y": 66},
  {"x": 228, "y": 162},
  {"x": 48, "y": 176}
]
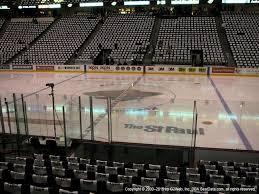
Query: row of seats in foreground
[{"x": 72, "y": 173}]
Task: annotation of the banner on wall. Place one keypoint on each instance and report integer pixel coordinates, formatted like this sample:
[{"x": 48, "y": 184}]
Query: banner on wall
[
  {"x": 69, "y": 68},
  {"x": 22, "y": 67},
  {"x": 129, "y": 69},
  {"x": 44, "y": 68},
  {"x": 115, "y": 69},
  {"x": 175, "y": 69},
  {"x": 99, "y": 68},
  {"x": 5, "y": 67},
  {"x": 247, "y": 71},
  {"x": 216, "y": 70}
]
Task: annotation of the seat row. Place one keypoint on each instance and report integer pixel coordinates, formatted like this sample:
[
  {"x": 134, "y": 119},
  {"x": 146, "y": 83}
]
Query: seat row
[{"x": 66, "y": 185}]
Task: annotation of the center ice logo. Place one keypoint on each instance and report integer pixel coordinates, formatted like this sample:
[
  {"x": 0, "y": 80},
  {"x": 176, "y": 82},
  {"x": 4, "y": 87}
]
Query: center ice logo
[{"x": 165, "y": 129}]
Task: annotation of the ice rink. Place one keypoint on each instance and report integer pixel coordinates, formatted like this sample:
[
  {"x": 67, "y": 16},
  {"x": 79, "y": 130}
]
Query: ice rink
[{"x": 150, "y": 109}]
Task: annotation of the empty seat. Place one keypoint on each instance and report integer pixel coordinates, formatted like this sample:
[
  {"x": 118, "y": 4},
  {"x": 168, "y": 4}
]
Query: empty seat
[
  {"x": 131, "y": 172},
  {"x": 193, "y": 177},
  {"x": 173, "y": 175},
  {"x": 40, "y": 170},
  {"x": 62, "y": 191},
  {"x": 39, "y": 190},
  {"x": 124, "y": 179},
  {"x": 111, "y": 170},
  {"x": 13, "y": 188},
  {"x": 88, "y": 185},
  {"x": 63, "y": 182},
  {"x": 40, "y": 179},
  {"x": 80, "y": 174},
  {"x": 52, "y": 48},
  {"x": 101, "y": 176},
  {"x": 152, "y": 173},
  {"x": 115, "y": 187}
]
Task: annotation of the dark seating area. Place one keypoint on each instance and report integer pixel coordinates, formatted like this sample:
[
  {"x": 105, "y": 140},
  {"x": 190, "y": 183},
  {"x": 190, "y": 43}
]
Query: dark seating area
[{"x": 43, "y": 173}]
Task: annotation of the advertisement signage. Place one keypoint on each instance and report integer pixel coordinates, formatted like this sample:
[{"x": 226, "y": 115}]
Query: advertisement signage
[
  {"x": 4, "y": 67},
  {"x": 44, "y": 68},
  {"x": 22, "y": 67},
  {"x": 223, "y": 70}
]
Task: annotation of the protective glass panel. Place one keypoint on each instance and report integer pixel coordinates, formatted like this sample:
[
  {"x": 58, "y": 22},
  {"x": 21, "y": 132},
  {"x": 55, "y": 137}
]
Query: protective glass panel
[
  {"x": 72, "y": 117},
  {"x": 245, "y": 119},
  {"x": 218, "y": 124},
  {"x": 85, "y": 111},
  {"x": 39, "y": 115},
  {"x": 100, "y": 118},
  {"x": 21, "y": 114},
  {"x": 165, "y": 124}
]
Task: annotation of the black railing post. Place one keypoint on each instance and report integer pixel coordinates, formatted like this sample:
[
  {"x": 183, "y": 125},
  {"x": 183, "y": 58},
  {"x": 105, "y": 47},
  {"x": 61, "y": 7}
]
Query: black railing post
[
  {"x": 17, "y": 124},
  {"x": 91, "y": 117},
  {"x": 80, "y": 117},
  {"x": 24, "y": 118},
  {"x": 2, "y": 117},
  {"x": 26, "y": 121},
  {"x": 65, "y": 129},
  {"x": 109, "y": 120},
  {"x": 8, "y": 115}
]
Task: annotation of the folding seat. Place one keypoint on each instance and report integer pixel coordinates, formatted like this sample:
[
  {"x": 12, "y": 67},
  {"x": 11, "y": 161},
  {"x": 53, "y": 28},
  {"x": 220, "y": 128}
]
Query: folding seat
[
  {"x": 73, "y": 159},
  {"x": 10, "y": 160},
  {"x": 111, "y": 170},
  {"x": 148, "y": 181},
  {"x": 252, "y": 189},
  {"x": 228, "y": 168},
  {"x": 152, "y": 173},
  {"x": 219, "y": 185},
  {"x": 231, "y": 173},
  {"x": 243, "y": 170},
  {"x": 124, "y": 179},
  {"x": 41, "y": 180},
  {"x": 196, "y": 184},
  {"x": 39, "y": 190},
  {"x": 131, "y": 172},
  {"x": 2, "y": 172},
  {"x": 154, "y": 167},
  {"x": 18, "y": 177},
  {"x": 88, "y": 185},
  {"x": 62, "y": 191},
  {"x": 39, "y": 162},
  {"x": 115, "y": 187},
  {"x": 13, "y": 188},
  {"x": 84, "y": 161},
  {"x": 65, "y": 183},
  {"x": 80, "y": 174},
  {"x": 213, "y": 172},
  {"x": 193, "y": 177},
  {"x": 210, "y": 167},
  {"x": 40, "y": 170},
  {"x": 138, "y": 189},
  {"x": 216, "y": 179},
  {"x": 73, "y": 166},
  {"x": 171, "y": 183},
  {"x": 171, "y": 169},
  {"x": 238, "y": 180},
  {"x": 118, "y": 164},
  {"x": 198, "y": 192},
  {"x": 19, "y": 167},
  {"x": 4, "y": 165},
  {"x": 138, "y": 166},
  {"x": 192, "y": 170},
  {"x": 91, "y": 168},
  {"x": 173, "y": 175},
  {"x": 58, "y": 172},
  {"x": 101, "y": 176},
  {"x": 252, "y": 174}
]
